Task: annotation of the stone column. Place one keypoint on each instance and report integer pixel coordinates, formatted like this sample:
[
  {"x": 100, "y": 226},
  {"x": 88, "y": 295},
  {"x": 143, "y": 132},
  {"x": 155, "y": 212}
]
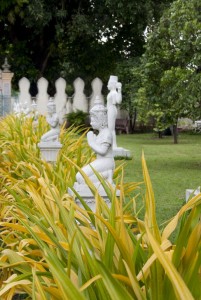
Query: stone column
[
  {"x": 24, "y": 95},
  {"x": 60, "y": 99},
  {"x": 79, "y": 98},
  {"x": 42, "y": 97},
  {"x": 7, "y": 76},
  {"x": 5, "y": 88},
  {"x": 96, "y": 85}
]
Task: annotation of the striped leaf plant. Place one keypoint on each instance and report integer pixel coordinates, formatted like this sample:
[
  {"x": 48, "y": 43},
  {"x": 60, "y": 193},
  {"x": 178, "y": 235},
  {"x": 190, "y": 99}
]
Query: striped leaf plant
[{"x": 52, "y": 248}]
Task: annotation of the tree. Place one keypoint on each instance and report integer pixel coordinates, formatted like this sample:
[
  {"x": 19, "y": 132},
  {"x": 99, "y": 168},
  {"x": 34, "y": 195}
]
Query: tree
[
  {"x": 129, "y": 75},
  {"x": 73, "y": 38},
  {"x": 171, "y": 65}
]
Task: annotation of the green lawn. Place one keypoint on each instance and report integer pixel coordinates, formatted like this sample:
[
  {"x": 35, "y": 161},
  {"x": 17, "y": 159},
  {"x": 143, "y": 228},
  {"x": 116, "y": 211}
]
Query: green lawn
[{"x": 172, "y": 168}]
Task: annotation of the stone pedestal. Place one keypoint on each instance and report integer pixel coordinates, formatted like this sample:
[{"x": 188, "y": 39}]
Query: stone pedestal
[
  {"x": 49, "y": 150},
  {"x": 190, "y": 192},
  {"x": 121, "y": 152},
  {"x": 84, "y": 191}
]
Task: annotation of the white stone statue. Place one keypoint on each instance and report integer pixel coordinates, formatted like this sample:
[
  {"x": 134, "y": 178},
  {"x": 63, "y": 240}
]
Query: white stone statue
[
  {"x": 101, "y": 144},
  {"x": 17, "y": 108},
  {"x": 21, "y": 109},
  {"x": 52, "y": 118},
  {"x": 114, "y": 98},
  {"x": 34, "y": 107},
  {"x": 34, "y": 113},
  {"x": 25, "y": 109}
]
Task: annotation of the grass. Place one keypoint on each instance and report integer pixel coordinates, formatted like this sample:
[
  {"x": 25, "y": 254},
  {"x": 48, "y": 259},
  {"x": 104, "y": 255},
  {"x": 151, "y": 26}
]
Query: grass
[{"x": 173, "y": 168}]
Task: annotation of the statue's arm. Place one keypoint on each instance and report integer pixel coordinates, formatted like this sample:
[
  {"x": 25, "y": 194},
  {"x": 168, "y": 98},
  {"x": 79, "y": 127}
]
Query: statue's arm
[
  {"x": 53, "y": 121},
  {"x": 119, "y": 93},
  {"x": 119, "y": 98},
  {"x": 99, "y": 148}
]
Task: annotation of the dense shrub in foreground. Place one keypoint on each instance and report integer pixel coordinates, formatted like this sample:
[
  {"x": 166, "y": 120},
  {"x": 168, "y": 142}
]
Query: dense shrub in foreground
[{"x": 53, "y": 249}]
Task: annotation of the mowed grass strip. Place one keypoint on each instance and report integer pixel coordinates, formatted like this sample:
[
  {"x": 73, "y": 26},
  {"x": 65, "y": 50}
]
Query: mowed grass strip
[{"x": 173, "y": 168}]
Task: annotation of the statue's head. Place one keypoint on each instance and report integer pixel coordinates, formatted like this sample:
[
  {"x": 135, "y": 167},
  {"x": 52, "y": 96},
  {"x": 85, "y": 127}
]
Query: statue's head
[
  {"x": 51, "y": 106},
  {"x": 112, "y": 82},
  {"x": 98, "y": 115}
]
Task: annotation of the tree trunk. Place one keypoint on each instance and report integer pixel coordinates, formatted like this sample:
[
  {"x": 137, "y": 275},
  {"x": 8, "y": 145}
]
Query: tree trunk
[
  {"x": 132, "y": 121},
  {"x": 175, "y": 134},
  {"x": 44, "y": 63},
  {"x": 160, "y": 134}
]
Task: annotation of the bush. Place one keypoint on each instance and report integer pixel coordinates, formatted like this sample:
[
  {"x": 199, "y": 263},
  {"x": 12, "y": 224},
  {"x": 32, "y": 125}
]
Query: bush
[
  {"x": 78, "y": 118},
  {"x": 53, "y": 249}
]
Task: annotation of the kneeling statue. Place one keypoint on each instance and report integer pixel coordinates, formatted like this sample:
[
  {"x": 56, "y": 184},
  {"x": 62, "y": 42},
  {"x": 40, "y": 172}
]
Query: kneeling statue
[
  {"x": 101, "y": 144},
  {"x": 49, "y": 144},
  {"x": 53, "y": 120}
]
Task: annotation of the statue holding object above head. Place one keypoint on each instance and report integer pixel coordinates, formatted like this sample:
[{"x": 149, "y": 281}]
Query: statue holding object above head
[
  {"x": 101, "y": 144},
  {"x": 114, "y": 98},
  {"x": 53, "y": 120}
]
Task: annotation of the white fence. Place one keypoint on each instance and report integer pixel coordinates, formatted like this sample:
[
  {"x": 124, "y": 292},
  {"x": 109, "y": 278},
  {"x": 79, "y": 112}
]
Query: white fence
[
  {"x": 6, "y": 105},
  {"x": 77, "y": 101},
  {"x": 6, "y": 102}
]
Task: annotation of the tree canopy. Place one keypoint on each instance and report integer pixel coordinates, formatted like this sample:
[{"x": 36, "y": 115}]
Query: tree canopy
[
  {"x": 171, "y": 64},
  {"x": 73, "y": 38}
]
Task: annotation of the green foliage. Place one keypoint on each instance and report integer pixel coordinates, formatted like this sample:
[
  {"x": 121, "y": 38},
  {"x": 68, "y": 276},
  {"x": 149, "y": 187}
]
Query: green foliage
[
  {"x": 128, "y": 74},
  {"x": 170, "y": 65},
  {"x": 53, "y": 249},
  {"x": 77, "y": 118},
  {"x": 20, "y": 137},
  {"x": 72, "y": 38}
]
